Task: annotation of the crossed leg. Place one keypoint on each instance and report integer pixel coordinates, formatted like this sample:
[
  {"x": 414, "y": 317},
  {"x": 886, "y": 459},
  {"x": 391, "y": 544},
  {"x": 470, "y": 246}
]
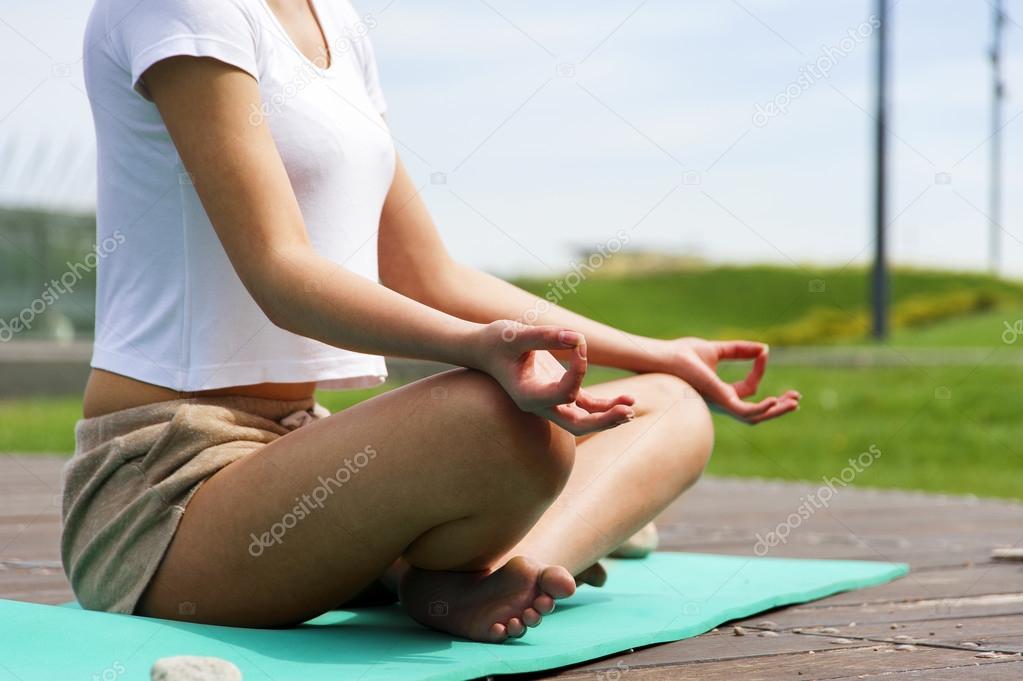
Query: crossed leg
[
  {"x": 486, "y": 505},
  {"x": 626, "y": 476}
]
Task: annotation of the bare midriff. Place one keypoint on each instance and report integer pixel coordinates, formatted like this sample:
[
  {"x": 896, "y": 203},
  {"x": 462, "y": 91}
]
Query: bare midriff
[{"x": 107, "y": 392}]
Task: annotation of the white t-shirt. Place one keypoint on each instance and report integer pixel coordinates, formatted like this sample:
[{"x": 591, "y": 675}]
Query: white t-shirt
[{"x": 170, "y": 309}]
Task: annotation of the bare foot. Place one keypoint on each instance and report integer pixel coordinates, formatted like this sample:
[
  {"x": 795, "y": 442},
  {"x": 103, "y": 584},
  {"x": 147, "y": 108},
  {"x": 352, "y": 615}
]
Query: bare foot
[{"x": 483, "y": 606}]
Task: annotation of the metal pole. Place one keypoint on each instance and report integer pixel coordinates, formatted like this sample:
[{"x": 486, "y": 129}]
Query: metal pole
[
  {"x": 997, "y": 97},
  {"x": 879, "y": 274}
]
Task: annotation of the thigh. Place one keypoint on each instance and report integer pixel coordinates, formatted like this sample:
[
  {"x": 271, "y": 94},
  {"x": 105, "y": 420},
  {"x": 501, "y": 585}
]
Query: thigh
[{"x": 310, "y": 519}]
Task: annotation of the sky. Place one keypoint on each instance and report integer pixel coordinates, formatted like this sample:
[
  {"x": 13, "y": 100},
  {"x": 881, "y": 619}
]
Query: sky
[{"x": 706, "y": 128}]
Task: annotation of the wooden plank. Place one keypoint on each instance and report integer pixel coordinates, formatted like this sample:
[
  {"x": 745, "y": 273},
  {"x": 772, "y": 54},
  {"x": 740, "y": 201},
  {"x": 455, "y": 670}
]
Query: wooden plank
[
  {"x": 720, "y": 644},
  {"x": 832, "y": 664},
  {"x": 920, "y": 554},
  {"x": 806, "y": 616},
  {"x": 946, "y": 629},
  {"x": 30, "y": 541},
  {"x": 36, "y": 585},
  {"x": 1001, "y": 672},
  {"x": 994, "y": 633},
  {"x": 975, "y": 580}
]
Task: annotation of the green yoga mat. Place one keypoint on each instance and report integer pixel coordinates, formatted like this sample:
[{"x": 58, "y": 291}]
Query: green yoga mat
[{"x": 666, "y": 597}]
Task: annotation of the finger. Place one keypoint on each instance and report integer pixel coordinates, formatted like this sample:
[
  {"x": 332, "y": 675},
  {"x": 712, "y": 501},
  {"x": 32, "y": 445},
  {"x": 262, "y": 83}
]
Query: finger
[
  {"x": 578, "y": 421},
  {"x": 749, "y": 385},
  {"x": 523, "y": 338},
  {"x": 780, "y": 409},
  {"x": 591, "y": 402},
  {"x": 739, "y": 349},
  {"x": 567, "y": 388},
  {"x": 572, "y": 382},
  {"x": 710, "y": 385}
]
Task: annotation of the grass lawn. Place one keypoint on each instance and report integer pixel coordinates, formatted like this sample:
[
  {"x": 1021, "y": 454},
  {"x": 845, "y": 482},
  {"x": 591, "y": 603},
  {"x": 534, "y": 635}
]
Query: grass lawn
[
  {"x": 947, "y": 429},
  {"x": 978, "y": 330}
]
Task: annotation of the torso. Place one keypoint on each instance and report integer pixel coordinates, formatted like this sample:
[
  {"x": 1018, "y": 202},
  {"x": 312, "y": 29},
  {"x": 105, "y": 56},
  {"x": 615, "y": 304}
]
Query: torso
[
  {"x": 107, "y": 392},
  {"x": 173, "y": 318}
]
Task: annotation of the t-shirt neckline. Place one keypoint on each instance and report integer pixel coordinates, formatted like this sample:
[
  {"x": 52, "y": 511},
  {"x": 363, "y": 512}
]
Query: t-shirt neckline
[{"x": 322, "y": 23}]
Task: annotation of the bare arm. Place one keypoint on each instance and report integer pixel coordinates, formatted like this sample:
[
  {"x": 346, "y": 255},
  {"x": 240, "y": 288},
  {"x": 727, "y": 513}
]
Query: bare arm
[
  {"x": 247, "y": 195},
  {"x": 413, "y": 260}
]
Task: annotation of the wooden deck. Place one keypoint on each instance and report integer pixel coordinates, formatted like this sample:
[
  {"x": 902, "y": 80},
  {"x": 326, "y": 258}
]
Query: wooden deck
[{"x": 958, "y": 615}]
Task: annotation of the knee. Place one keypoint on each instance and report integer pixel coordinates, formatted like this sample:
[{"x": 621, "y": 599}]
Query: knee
[
  {"x": 689, "y": 415},
  {"x": 531, "y": 455}
]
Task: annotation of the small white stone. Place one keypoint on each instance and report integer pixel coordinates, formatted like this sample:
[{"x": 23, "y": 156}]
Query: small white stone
[
  {"x": 767, "y": 634},
  {"x": 987, "y": 655},
  {"x": 828, "y": 630},
  {"x": 970, "y": 644},
  {"x": 738, "y": 631},
  {"x": 192, "y": 668},
  {"x": 840, "y": 641},
  {"x": 905, "y": 646}
]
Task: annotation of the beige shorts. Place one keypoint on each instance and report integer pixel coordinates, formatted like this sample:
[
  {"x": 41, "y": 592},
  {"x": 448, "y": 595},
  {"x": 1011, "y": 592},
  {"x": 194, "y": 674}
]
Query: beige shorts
[{"x": 133, "y": 473}]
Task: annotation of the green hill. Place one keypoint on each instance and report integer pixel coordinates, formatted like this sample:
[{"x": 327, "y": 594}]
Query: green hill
[{"x": 802, "y": 304}]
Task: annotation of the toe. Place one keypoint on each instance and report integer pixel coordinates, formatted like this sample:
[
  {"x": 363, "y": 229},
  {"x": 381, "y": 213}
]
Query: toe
[
  {"x": 498, "y": 632},
  {"x": 531, "y": 617},
  {"x": 516, "y": 628},
  {"x": 543, "y": 604},
  {"x": 557, "y": 582}
]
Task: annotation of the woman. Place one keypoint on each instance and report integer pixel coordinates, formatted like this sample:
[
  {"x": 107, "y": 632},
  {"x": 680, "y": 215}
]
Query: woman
[{"x": 269, "y": 242}]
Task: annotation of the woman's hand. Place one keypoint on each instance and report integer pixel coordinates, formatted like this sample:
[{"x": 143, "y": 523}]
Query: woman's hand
[
  {"x": 518, "y": 358},
  {"x": 696, "y": 360}
]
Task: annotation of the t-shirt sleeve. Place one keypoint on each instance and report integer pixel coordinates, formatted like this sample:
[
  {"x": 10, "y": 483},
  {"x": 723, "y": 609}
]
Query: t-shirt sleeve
[{"x": 220, "y": 29}]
